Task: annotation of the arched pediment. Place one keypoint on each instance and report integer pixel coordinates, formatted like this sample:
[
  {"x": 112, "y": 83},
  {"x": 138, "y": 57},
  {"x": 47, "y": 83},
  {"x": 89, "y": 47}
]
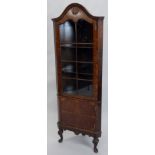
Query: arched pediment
[{"x": 75, "y": 12}]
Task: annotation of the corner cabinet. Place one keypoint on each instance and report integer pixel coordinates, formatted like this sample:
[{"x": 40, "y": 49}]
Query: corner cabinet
[{"x": 78, "y": 51}]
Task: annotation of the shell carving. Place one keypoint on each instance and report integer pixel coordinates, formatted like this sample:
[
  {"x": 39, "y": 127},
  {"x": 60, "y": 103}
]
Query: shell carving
[{"x": 75, "y": 10}]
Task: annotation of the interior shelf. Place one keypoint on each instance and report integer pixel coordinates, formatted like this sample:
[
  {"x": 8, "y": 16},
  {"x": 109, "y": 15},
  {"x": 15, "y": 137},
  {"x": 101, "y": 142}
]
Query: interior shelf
[
  {"x": 81, "y": 73},
  {"x": 76, "y": 61},
  {"x": 67, "y": 46},
  {"x": 75, "y": 78},
  {"x": 76, "y": 43}
]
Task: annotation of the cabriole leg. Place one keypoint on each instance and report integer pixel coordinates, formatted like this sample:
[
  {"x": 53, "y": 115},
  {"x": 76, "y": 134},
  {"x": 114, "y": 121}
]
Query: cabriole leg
[
  {"x": 95, "y": 141},
  {"x": 60, "y": 132}
]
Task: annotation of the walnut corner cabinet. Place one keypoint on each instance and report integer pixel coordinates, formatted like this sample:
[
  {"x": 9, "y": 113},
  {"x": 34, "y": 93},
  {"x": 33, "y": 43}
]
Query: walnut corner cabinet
[{"x": 78, "y": 50}]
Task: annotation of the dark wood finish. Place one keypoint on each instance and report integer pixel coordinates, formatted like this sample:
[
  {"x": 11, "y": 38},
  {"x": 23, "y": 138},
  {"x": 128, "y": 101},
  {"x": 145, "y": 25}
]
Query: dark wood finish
[{"x": 79, "y": 112}]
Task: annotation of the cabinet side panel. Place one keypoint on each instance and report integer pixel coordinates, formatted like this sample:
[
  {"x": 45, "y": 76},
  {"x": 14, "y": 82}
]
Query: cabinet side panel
[
  {"x": 56, "y": 42},
  {"x": 57, "y": 65},
  {"x": 100, "y": 51},
  {"x": 100, "y": 54}
]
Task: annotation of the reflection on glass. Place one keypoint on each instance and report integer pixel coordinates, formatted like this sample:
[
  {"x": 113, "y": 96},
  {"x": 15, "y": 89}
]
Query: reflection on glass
[
  {"x": 68, "y": 67},
  {"x": 84, "y": 88},
  {"x": 84, "y": 31},
  {"x": 69, "y": 86},
  {"x": 67, "y": 32}
]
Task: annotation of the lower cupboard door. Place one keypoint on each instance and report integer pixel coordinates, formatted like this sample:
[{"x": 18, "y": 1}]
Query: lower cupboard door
[
  {"x": 78, "y": 121},
  {"x": 68, "y": 119},
  {"x": 86, "y": 123}
]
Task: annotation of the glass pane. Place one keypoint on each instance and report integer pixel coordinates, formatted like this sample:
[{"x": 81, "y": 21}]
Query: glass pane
[
  {"x": 67, "y": 32},
  {"x": 69, "y": 86},
  {"x": 85, "y": 68},
  {"x": 84, "y": 32},
  {"x": 84, "y": 88},
  {"x": 68, "y": 69},
  {"x": 68, "y": 75},
  {"x": 68, "y": 53},
  {"x": 85, "y": 76},
  {"x": 85, "y": 54}
]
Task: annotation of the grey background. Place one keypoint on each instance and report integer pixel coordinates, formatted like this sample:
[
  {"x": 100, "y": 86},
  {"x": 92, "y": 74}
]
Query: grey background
[{"x": 78, "y": 145}]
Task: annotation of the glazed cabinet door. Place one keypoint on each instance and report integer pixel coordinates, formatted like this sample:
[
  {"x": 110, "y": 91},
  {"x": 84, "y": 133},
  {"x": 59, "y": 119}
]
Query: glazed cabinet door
[{"x": 77, "y": 55}]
